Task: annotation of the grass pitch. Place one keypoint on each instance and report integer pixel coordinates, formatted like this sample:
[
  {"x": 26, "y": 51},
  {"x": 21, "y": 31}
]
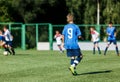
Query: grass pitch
[{"x": 52, "y": 66}]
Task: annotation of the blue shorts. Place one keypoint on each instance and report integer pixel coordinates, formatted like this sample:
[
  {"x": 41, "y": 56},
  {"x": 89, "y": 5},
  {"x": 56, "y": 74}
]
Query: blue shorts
[
  {"x": 73, "y": 52},
  {"x": 58, "y": 44},
  {"x": 9, "y": 43},
  {"x": 112, "y": 41}
]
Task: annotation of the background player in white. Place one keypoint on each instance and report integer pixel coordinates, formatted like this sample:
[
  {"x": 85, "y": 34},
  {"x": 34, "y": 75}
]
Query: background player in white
[
  {"x": 3, "y": 42},
  {"x": 8, "y": 39},
  {"x": 95, "y": 39},
  {"x": 58, "y": 38}
]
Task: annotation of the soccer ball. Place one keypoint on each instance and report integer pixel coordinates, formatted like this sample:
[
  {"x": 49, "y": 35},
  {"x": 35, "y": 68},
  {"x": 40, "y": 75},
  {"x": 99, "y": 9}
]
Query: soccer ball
[{"x": 5, "y": 53}]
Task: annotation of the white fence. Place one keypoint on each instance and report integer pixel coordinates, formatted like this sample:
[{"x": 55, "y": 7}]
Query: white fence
[{"x": 83, "y": 46}]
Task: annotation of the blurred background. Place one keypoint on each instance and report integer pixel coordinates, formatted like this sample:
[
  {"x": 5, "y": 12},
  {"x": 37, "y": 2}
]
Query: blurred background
[{"x": 32, "y": 12}]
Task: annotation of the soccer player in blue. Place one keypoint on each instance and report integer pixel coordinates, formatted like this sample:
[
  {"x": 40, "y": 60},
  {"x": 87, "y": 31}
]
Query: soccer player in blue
[
  {"x": 111, "y": 32},
  {"x": 71, "y": 33}
]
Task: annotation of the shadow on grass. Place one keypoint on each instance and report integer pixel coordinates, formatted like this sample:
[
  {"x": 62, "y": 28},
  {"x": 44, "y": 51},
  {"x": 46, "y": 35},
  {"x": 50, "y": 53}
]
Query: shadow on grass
[
  {"x": 21, "y": 54},
  {"x": 96, "y": 72}
]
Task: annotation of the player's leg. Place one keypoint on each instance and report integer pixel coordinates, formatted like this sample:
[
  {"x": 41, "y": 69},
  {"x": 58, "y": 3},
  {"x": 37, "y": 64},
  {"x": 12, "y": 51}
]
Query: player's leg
[
  {"x": 77, "y": 60},
  {"x": 6, "y": 47},
  {"x": 109, "y": 42},
  {"x": 72, "y": 60},
  {"x": 60, "y": 48},
  {"x": 72, "y": 68},
  {"x": 13, "y": 51},
  {"x": 116, "y": 47},
  {"x": 70, "y": 54},
  {"x": 98, "y": 48},
  {"x": 94, "y": 47},
  {"x": 11, "y": 47}
]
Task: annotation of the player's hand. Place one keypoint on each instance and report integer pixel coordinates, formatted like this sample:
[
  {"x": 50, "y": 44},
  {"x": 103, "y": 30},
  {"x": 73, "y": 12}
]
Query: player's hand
[
  {"x": 91, "y": 39},
  {"x": 108, "y": 34}
]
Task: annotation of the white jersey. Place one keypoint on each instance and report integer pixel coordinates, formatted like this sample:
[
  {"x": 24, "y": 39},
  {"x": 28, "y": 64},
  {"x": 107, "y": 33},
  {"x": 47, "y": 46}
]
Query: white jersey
[
  {"x": 8, "y": 36},
  {"x": 58, "y": 39},
  {"x": 95, "y": 36}
]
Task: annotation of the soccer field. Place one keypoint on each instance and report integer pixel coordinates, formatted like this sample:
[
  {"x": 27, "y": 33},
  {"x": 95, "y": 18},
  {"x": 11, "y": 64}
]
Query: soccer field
[{"x": 52, "y": 66}]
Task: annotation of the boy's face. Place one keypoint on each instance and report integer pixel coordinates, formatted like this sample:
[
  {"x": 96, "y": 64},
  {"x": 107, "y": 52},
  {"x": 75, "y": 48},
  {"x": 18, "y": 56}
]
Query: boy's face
[
  {"x": 110, "y": 25},
  {"x": 4, "y": 29},
  {"x": 57, "y": 32},
  {"x": 91, "y": 29}
]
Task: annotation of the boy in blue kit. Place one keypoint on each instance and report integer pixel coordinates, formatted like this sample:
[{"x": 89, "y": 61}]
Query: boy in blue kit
[
  {"x": 71, "y": 33},
  {"x": 111, "y": 32}
]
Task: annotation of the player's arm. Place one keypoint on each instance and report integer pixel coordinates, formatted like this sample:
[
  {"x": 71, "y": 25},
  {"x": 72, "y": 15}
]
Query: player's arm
[
  {"x": 92, "y": 39},
  {"x": 55, "y": 37},
  {"x": 115, "y": 32},
  {"x": 62, "y": 40},
  {"x": 79, "y": 33},
  {"x": 107, "y": 32},
  {"x": 5, "y": 34},
  {"x": 98, "y": 35},
  {"x": 79, "y": 37},
  {"x": 63, "y": 35}
]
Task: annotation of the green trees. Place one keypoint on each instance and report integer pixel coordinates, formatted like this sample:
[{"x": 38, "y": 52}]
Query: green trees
[
  {"x": 28, "y": 11},
  {"x": 55, "y": 11}
]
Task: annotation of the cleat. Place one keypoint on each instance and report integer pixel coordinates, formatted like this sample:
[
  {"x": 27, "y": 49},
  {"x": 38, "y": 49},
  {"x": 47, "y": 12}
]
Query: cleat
[
  {"x": 118, "y": 54},
  {"x": 99, "y": 52},
  {"x": 72, "y": 70},
  {"x": 104, "y": 54},
  {"x": 61, "y": 52},
  {"x": 75, "y": 73},
  {"x": 14, "y": 53}
]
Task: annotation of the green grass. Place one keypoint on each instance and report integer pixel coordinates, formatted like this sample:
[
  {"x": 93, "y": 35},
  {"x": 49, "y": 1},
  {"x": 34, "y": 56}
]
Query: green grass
[{"x": 51, "y": 66}]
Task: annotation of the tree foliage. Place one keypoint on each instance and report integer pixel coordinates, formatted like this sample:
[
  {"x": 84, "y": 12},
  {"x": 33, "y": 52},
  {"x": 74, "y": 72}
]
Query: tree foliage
[
  {"x": 55, "y": 11},
  {"x": 28, "y": 11}
]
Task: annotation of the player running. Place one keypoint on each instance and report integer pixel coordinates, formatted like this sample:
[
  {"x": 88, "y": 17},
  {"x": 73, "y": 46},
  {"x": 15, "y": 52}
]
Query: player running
[
  {"x": 8, "y": 38},
  {"x": 3, "y": 42},
  {"x": 111, "y": 32},
  {"x": 95, "y": 39},
  {"x": 58, "y": 38},
  {"x": 71, "y": 33}
]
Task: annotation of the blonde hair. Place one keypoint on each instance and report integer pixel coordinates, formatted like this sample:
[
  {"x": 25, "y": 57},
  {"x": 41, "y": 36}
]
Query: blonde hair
[{"x": 70, "y": 17}]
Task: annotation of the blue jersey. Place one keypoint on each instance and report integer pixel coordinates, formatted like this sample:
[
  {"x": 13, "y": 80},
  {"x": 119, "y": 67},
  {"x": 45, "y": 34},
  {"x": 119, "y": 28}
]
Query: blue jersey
[
  {"x": 111, "y": 31},
  {"x": 2, "y": 38},
  {"x": 71, "y": 33}
]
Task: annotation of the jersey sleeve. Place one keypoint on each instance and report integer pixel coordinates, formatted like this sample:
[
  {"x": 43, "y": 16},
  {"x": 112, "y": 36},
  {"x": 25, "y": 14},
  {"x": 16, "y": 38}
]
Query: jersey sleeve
[
  {"x": 63, "y": 32},
  {"x": 96, "y": 33},
  {"x": 107, "y": 30},
  {"x": 5, "y": 33},
  {"x": 114, "y": 29},
  {"x": 78, "y": 31}
]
